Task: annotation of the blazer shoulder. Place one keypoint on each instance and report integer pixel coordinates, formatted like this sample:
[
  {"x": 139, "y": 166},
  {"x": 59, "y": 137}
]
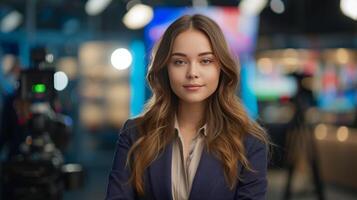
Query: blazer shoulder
[
  {"x": 253, "y": 144},
  {"x": 129, "y": 130}
]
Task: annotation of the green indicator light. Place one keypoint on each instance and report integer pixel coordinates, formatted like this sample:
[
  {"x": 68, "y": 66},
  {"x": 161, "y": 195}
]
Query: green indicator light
[{"x": 39, "y": 88}]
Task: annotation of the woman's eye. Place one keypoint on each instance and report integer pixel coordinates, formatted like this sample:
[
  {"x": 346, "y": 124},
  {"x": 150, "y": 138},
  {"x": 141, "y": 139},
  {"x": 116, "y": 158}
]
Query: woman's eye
[
  {"x": 206, "y": 61},
  {"x": 179, "y": 62}
]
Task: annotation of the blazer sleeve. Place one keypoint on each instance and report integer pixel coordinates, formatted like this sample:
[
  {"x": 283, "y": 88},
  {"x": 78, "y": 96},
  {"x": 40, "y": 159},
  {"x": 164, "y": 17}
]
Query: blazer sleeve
[
  {"x": 253, "y": 185},
  {"x": 118, "y": 187}
]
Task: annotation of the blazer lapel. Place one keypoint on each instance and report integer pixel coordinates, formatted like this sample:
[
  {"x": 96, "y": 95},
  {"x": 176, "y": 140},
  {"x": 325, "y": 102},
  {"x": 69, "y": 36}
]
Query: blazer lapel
[
  {"x": 160, "y": 174},
  {"x": 207, "y": 174}
]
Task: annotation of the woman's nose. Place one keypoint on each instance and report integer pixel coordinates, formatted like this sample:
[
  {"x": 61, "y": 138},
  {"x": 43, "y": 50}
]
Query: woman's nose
[{"x": 192, "y": 71}]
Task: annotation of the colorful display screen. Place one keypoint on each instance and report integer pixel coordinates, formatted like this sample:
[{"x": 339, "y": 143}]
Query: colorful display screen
[
  {"x": 240, "y": 31},
  {"x": 338, "y": 88}
]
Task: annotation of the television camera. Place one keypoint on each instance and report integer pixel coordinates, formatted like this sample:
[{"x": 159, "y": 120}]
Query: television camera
[{"x": 37, "y": 170}]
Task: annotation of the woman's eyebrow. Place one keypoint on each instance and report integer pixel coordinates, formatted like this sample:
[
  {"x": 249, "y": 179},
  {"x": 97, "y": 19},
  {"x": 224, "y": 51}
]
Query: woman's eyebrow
[
  {"x": 184, "y": 55},
  {"x": 178, "y": 54},
  {"x": 205, "y": 53}
]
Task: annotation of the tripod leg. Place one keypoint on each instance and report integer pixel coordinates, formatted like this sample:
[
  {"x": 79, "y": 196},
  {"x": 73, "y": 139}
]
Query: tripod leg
[
  {"x": 315, "y": 169},
  {"x": 317, "y": 180},
  {"x": 291, "y": 162},
  {"x": 288, "y": 192}
]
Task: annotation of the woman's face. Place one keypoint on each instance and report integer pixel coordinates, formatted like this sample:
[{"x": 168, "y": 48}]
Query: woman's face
[{"x": 193, "y": 68}]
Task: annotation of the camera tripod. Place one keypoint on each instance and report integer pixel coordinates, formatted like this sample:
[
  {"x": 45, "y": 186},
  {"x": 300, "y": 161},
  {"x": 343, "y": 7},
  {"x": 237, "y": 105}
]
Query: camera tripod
[{"x": 300, "y": 139}]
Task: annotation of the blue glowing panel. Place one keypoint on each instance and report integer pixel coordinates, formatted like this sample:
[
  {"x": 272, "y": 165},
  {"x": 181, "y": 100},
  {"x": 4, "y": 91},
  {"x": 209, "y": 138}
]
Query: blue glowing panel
[{"x": 137, "y": 78}]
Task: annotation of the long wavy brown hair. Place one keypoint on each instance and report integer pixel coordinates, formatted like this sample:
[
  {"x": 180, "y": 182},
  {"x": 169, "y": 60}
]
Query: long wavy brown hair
[{"x": 227, "y": 121}]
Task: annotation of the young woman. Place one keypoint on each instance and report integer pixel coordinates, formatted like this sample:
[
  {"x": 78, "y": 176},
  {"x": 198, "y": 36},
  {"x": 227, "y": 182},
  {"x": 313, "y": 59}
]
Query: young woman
[{"x": 194, "y": 140}]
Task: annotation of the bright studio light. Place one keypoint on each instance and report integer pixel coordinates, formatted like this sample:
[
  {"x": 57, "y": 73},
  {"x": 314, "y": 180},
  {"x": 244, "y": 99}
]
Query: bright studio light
[
  {"x": 138, "y": 16},
  {"x": 320, "y": 131},
  {"x": 349, "y": 8},
  {"x": 342, "y": 134},
  {"x": 252, "y": 7},
  {"x": 60, "y": 81},
  {"x": 49, "y": 58},
  {"x": 95, "y": 7},
  {"x": 277, "y": 6},
  {"x": 121, "y": 59},
  {"x": 11, "y": 21}
]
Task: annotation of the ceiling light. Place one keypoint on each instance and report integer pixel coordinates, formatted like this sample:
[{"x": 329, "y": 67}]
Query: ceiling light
[
  {"x": 349, "y": 8},
  {"x": 138, "y": 16},
  {"x": 277, "y": 6},
  {"x": 11, "y": 21},
  {"x": 252, "y": 7},
  {"x": 95, "y": 7}
]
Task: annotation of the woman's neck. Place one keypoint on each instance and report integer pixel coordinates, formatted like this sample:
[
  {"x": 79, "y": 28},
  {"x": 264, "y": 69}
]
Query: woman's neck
[{"x": 190, "y": 115}]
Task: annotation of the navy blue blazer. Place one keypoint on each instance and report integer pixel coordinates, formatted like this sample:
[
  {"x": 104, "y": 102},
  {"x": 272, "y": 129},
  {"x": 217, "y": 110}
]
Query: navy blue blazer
[{"x": 209, "y": 182}]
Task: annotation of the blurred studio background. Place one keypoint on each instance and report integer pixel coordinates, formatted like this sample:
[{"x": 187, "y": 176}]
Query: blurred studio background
[{"x": 72, "y": 71}]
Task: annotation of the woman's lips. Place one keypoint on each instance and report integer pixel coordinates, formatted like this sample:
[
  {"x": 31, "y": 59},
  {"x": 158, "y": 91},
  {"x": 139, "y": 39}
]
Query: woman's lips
[{"x": 192, "y": 87}]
